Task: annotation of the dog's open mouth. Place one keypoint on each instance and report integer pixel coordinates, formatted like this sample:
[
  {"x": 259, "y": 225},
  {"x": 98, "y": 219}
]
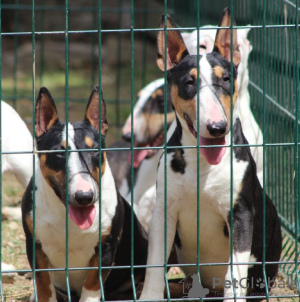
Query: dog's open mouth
[
  {"x": 83, "y": 216},
  {"x": 213, "y": 155},
  {"x": 140, "y": 155}
]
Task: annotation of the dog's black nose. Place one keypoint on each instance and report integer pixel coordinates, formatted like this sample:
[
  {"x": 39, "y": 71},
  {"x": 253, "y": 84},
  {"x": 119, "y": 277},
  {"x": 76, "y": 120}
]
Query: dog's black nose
[
  {"x": 127, "y": 137},
  {"x": 217, "y": 128},
  {"x": 84, "y": 198}
]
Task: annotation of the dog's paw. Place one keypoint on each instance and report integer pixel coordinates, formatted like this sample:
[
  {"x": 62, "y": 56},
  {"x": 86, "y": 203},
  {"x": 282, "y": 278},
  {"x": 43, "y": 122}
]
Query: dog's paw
[
  {"x": 89, "y": 295},
  {"x": 174, "y": 270}
]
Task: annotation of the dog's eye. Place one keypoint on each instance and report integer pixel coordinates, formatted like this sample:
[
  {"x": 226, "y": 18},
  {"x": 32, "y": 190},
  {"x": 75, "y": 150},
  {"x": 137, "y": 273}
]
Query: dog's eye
[
  {"x": 62, "y": 153},
  {"x": 226, "y": 78},
  {"x": 189, "y": 82}
]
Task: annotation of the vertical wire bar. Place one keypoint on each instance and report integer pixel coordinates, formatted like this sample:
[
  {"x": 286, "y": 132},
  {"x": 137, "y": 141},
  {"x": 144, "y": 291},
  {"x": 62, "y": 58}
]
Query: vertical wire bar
[
  {"x": 198, "y": 143},
  {"x": 16, "y": 42},
  {"x": 132, "y": 116},
  {"x": 264, "y": 146},
  {"x": 42, "y": 58},
  {"x": 67, "y": 141},
  {"x": 118, "y": 72},
  {"x": 144, "y": 51},
  {"x": 231, "y": 146},
  {"x": 100, "y": 145},
  {"x": 132, "y": 104},
  {"x": 93, "y": 48},
  {"x": 165, "y": 155},
  {"x": 1, "y": 286},
  {"x": 297, "y": 151},
  {"x": 33, "y": 176}
]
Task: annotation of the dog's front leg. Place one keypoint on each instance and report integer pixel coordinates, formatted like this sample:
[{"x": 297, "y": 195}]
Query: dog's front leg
[
  {"x": 154, "y": 280},
  {"x": 91, "y": 290},
  {"x": 236, "y": 276},
  {"x": 45, "y": 288}
]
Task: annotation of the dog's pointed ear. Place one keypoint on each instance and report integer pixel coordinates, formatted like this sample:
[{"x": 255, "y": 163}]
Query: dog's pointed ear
[
  {"x": 176, "y": 49},
  {"x": 223, "y": 41},
  {"x": 45, "y": 112},
  {"x": 92, "y": 111}
]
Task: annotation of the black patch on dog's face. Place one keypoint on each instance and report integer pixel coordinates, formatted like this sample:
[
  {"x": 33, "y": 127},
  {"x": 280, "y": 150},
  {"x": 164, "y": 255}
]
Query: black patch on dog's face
[
  {"x": 222, "y": 84},
  {"x": 53, "y": 164},
  {"x": 83, "y": 130},
  {"x": 156, "y": 103},
  {"x": 181, "y": 77},
  {"x": 52, "y": 140}
]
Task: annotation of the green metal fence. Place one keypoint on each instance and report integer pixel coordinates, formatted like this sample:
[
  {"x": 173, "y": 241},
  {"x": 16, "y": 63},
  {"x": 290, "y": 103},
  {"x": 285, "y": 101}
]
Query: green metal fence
[{"x": 66, "y": 46}]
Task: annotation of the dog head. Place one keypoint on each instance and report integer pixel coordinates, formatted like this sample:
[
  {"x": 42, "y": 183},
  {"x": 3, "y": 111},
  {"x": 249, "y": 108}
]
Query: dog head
[
  {"x": 214, "y": 90},
  {"x": 149, "y": 120},
  {"x": 148, "y": 114},
  {"x": 74, "y": 175},
  {"x": 207, "y": 37},
  {"x": 206, "y": 40}
]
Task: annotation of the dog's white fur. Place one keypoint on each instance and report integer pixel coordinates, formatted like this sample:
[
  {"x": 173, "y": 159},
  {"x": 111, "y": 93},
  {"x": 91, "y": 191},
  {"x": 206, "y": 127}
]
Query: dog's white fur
[
  {"x": 16, "y": 138},
  {"x": 51, "y": 228}
]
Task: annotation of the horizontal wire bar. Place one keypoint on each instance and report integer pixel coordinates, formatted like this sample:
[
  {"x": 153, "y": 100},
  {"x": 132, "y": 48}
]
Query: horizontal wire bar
[
  {"x": 77, "y": 8},
  {"x": 291, "y": 4},
  {"x": 273, "y": 101},
  {"x": 127, "y": 30},
  {"x": 145, "y": 266},
  {"x": 150, "y": 148}
]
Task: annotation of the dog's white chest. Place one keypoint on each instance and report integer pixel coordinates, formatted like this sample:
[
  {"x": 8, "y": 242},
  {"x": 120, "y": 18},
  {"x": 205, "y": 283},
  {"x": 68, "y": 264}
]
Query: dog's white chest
[
  {"x": 52, "y": 233},
  {"x": 213, "y": 208}
]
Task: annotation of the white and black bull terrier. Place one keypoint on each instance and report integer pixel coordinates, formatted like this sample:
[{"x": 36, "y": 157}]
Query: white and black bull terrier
[
  {"x": 233, "y": 209},
  {"x": 78, "y": 181}
]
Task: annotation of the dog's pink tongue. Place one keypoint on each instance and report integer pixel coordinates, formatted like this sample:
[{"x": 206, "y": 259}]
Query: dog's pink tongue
[
  {"x": 83, "y": 216},
  {"x": 212, "y": 155},
  {"x": 138, "y": 156}
]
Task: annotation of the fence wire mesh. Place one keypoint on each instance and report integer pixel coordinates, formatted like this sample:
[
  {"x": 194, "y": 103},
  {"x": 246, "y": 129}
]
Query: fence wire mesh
[{"x": 69, "y": 47}]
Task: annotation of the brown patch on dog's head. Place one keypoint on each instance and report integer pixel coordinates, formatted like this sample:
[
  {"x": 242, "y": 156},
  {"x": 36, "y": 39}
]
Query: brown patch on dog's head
[
  {"x": 183, "y": 106},
  {"x": 226, "y": 101},
  {"x": 157, "y": 93},
  {"x": 218, "y": 71},
  {"x": 223, "y": 41},
  {"x": 55, "y": 179},
  {"x": 92, "y": 111},
  {"x": 45, "y": 112},
  {"x": 95, "y": 169},
  {"x": 194, "y": 73},
  {"x": 176, "y": 48},
  {"x": 89, "y": 142}
]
